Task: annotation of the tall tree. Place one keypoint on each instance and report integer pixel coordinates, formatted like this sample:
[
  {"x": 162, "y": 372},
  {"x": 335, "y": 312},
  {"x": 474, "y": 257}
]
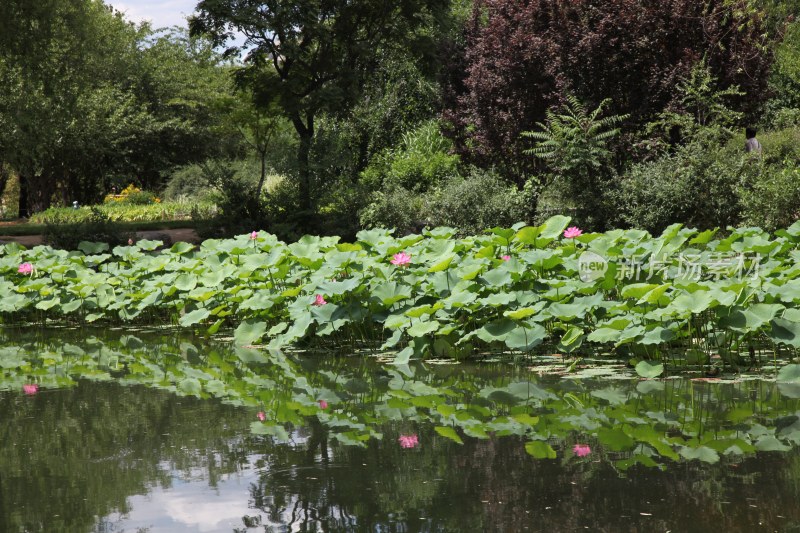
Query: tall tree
[
  {"x": 312, "y": 57},
  {"x": 86, "y": 95}
]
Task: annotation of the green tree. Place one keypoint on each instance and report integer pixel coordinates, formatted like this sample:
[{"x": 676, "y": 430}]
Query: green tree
[
  {"x": 313, "y": 57},
  {"x": 92, "y": 97}
]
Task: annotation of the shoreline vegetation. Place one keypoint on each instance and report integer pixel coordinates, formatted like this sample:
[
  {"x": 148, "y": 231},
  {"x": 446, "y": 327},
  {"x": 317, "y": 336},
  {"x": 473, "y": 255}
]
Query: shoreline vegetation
[{"x": 682, "y": 299}]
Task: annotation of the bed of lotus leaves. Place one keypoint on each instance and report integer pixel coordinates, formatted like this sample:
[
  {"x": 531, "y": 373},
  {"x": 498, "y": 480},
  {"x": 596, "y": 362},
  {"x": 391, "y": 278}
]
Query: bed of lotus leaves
[{"x": 456, "y": 296}]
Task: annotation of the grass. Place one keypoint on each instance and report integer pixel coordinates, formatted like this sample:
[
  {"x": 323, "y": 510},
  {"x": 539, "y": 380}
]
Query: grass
[{"x": 38, "y": 229}]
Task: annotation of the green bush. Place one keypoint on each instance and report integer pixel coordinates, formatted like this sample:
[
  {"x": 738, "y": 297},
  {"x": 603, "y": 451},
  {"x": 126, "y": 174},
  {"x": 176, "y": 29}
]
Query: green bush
[
  {"x": 471, "y": 204},
  {"x": 141, "y": 198},
  {"x": 479, "y": 201},
  {"x": 98, "y": 227},
  {"x": 186, "y": 182},
  {"x": 772, "y": 201},
  {"x": 396, "y": 207},
  {"x": 421, "y": 162},
  {"x": 770, "y": 192},
  {"x": 123, "y": 212},
  {"x": 696, "y": 186}
]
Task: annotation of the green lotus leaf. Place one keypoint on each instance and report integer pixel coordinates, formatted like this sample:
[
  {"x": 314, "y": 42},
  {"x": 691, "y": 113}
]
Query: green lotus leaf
[
  {"x": 249, "y": 331},
  {"x": 496, "y": 331},
  {"x": 695, "y": 302},
  {"x": 92, "y": 247},
  {"x": 540, "y": 450},
  {"x": 195, "y": 317},
  {"x": 604, "y": 335},
  {"x": 649, "y": 369},
  {"x": 526, "y": 338},
  {"x": 554, "y": 226},
  {"x": 180, "y": 248},
  {"x": 612, "y": 395},
  {"x": 701, "y": 453},
  {"x": 615, "y": 439},
  {"x": 423, "y": 328},
  {"x": 785, "y": 332},
  {"x": 449, "y": 433},
  {"x": 789, "y": 373}
]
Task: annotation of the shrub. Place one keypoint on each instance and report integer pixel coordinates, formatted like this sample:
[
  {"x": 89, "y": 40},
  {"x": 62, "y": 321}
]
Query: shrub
[
  {"x": 396, "y": 207},
  {"x": 124, "y": 212},
  {"x": 96, "y": 228},
  {"x": 469, "y": 204},
  {"x": 770, "y": 192},
  {"x": 479, "y": 201},
  {"x": 695, "y": 186},
  {"x": 132, "y": 195},
  {"x": 187, "y": 181},
  {"x": 421, "y": 162},
  {"x": 772, "y": 201}
]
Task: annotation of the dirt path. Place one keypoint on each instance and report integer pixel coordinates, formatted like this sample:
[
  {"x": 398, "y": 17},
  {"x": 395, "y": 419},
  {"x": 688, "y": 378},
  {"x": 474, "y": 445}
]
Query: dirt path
[{"x": 169, "y": 236}]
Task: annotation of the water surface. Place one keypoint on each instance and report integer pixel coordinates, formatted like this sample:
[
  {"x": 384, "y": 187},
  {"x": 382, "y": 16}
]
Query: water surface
[{"x": 142, "y": 431}]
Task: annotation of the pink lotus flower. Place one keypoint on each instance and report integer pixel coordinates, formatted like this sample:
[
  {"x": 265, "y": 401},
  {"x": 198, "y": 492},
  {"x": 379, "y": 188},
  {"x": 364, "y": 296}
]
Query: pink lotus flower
[
  {"x": 571, "y": 233},
  {"x": 408, "y": 441},
  {"x": 319, "y": 300},
  {"x": 401, "y": 259},
  {"x": 25, "y": 268},
  {"x": 323, "y": 404},
  {"x": 130, "y": 242},
  {"x": 30, "y": 389},
  {"x": 506, "y": 258},
  {"x": 261, "y": 416},
  {"x": 254, "y": 235},
  {"x": 581, "y": 450}
]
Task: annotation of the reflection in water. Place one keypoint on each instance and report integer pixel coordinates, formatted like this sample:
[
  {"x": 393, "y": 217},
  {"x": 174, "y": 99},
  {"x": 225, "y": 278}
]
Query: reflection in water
[{"x": 87, "y": 454}]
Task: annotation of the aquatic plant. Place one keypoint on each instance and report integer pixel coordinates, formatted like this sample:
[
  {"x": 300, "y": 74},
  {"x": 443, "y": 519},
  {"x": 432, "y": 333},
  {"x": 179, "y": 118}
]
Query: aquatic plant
[{"x": 684, "y": 298}]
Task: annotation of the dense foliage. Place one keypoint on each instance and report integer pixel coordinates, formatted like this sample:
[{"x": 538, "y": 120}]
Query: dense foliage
[
  {"x": 523, "y": 57},
  {"x": 680, "y": 298},
  {"x": 89, "y": 100},
  {"x": 356, "y": 116}
]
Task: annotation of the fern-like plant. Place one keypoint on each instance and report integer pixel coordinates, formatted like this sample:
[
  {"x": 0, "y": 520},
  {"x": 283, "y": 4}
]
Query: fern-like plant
[{"x": 574, "y": 140}]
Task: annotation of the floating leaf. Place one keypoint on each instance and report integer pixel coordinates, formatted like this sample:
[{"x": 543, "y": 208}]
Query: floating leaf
[{"x": 649, "y": 369}]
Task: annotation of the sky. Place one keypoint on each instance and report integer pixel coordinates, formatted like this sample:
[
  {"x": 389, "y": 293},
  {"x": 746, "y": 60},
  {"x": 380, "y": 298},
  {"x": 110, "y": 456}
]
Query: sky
[{"x": 160, "y": 13}]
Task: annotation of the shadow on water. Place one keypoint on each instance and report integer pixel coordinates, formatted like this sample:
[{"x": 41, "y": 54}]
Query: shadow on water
[{"x": 143, "y": 431}]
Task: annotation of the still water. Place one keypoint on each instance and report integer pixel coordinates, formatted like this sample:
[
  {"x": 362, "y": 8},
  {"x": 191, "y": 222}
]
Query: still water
[{"x": 149, "y": 432}]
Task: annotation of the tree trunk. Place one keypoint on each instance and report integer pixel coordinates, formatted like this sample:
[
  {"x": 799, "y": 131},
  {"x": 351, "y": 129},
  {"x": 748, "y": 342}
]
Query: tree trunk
[
  {"x": 263, "y": 154},
  {"x": 304, "y": 172},
  {"x": 305, "y": 130},
  {"x": 23, "y": 197}
]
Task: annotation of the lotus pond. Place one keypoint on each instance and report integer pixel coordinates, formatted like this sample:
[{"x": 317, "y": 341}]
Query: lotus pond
[
  {"x": 158, "y": 431},
  {"x": 530, "y": 378}
]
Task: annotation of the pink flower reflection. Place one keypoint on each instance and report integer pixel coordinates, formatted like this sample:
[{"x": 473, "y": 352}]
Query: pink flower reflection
[
  {"x": 581, "y": 450},
  {"x": 408, "y": 441}
]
